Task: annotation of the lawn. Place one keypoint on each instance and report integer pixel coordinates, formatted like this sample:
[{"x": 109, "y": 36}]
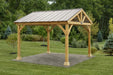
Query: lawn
[{"x": 99, "y": 65}]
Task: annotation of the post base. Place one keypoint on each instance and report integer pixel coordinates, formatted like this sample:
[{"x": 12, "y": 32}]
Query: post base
[
  {"x": 48, "y": 52},
  {"x": 18, "y": 58},
  {"x": 66, "y": 64},
  {"x": 89, "y": 55}
]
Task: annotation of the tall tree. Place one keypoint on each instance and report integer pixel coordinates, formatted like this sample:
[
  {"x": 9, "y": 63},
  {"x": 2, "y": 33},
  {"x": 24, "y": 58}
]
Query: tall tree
[{"x": 111, "y": 25}]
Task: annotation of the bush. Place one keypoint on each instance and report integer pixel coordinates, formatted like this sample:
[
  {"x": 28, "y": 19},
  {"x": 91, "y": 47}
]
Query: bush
[
  {"x": 93, "y": 50},
  {"x": 96, "y": 45},
  {"x": 79, "y": 44},
  {"x": 27, "y": 37},
  {"x": 62, "y": 39},
  {"x": 74, "y": 43},
  {"x": 12, "y": 40}
]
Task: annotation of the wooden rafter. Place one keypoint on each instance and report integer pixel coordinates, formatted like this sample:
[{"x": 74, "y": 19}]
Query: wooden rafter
[{"x": 74, "y": 16}]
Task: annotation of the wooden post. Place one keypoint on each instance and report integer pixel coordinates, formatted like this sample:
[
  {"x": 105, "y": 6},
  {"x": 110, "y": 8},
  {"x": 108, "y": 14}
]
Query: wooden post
[
  {"x": 18, "y": 44},
  {"x": 48, "y": 40},
  {"x": 66, "y": 63},
  {"x": 89, "y": 42}
]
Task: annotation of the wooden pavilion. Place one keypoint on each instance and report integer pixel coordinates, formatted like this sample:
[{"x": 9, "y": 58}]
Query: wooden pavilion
[{"x": 60, "y": 18}]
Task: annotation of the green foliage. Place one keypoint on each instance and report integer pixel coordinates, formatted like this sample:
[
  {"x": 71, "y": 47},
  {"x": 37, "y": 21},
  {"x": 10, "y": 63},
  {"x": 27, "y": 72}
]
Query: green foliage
[
  {"x": 93, "y": 50},
  {"x": 7, "y": 32},
  {"x": 111, "y": 25},
  {"x": 62, "y": 39},
  {"x": 57, "y": 33},
  {"x": 40, "y": 30},
  {"x": 96, "y": 45},
  {"x": 29, "y": 30},
  {"x": 79, "y": 44},
  {"x": 28, "y": 37},
  {"x": 99, "y": 37},
  {"x": 108, "y": 46},
  {"x": 74, "y": 34},
  {"x": 12, "y": 40}
]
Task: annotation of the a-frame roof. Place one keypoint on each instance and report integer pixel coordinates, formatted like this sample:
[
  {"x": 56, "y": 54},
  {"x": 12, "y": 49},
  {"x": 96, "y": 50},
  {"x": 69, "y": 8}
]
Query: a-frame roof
[
  {"x": 48, "y": 16},
  {"x": 43, "y": 17}
]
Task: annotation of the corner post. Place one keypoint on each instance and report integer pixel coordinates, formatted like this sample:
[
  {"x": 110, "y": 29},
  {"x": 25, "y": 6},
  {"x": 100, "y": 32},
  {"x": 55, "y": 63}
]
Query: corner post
[
  {"x": 18, "y": 44},
  {"x": 66, "y": 63},
  {"x": 48, "y": 40},
  {"x": 89, "y": 42}
]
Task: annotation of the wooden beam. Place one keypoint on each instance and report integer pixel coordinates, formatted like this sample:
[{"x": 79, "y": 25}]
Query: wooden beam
[
  {"x": 70, "y": 28},
  {"x": 85, "y": 28},
  {"x": 78, "y": 18},
  {"x": 45, "y": 28},
  {"x": 89, "y": 42},
  {"x": 48, "y": 40},
  {"x": 83, "y": 19},
  {"x": 62, "y": 29},
  {"x": 87, "y": 16},
  {"x": 21, "y": 27},
  {"x": 41, "y": 23},
  {"x": 52, "y": 28},
  {"x": 18, "y": 44},
  {"x": 81, "y": 16},
  {"x": 66, "y": 63},
  {"x": 78, "y": 23}
]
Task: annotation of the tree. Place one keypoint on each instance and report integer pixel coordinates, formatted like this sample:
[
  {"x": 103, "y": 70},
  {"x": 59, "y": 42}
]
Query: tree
[
  {"x": 108, "y": 47},
  {"x": 7, "y": 32},
  {"x": 99, "y": 37},
  {"x": 111, "y": 25}
]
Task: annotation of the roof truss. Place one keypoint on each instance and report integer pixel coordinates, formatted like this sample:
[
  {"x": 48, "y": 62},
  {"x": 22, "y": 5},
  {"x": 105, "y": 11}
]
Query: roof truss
[{"x": 80, "y": 18}]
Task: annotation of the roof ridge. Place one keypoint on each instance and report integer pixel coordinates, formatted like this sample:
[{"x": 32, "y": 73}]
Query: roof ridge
[{"x": 55, "y": 10}]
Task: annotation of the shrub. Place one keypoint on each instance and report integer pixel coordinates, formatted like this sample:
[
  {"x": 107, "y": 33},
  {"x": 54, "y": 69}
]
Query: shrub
[
  {"x": 79, "y": 44},
  {"x": 93, "y": 50},
  {"x": 96, "y": 45},
  {"x": 99, "y": 37},
  {"x": 108, "y": 46},
  {"x": 62, "y": 39},
  {"x": 27, "y": 37},
  {"x": 12, "y": 40},
  {"x": 74, "y": 43}
]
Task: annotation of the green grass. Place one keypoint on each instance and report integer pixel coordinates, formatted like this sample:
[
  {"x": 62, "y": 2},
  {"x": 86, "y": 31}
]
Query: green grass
[{"x": 99, "y": 65}]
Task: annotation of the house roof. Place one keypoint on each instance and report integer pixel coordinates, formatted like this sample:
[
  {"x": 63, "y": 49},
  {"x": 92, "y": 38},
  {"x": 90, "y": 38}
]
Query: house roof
[{"x": 49, "y": 16}]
